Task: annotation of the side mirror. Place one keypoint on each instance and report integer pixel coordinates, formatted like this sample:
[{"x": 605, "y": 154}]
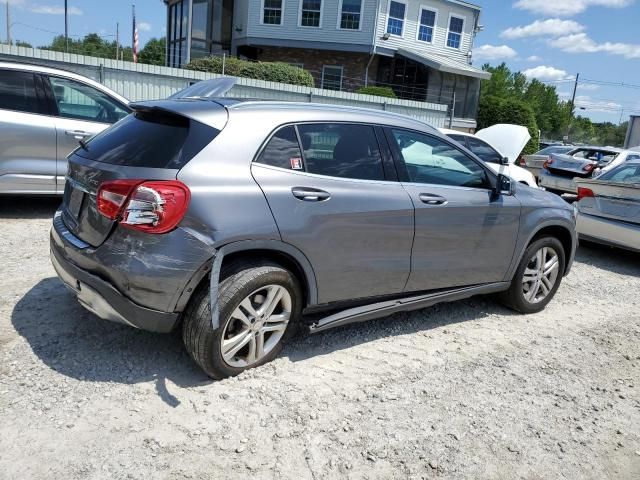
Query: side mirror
[
  {"x": 504, "y": 186},
  {"x": 504, "y": 161}
]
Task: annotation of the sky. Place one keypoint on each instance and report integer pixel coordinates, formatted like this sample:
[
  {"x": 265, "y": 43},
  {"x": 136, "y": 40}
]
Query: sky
[{"x": 551, "y": 40}]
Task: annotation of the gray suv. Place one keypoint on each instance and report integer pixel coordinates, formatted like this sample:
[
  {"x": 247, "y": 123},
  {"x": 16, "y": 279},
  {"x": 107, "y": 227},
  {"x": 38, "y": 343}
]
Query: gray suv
[{"x": 240, "y": 221}]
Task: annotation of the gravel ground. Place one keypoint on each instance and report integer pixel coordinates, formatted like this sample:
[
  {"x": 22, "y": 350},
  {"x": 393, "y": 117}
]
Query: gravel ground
[{"x": 462, "y": 390}]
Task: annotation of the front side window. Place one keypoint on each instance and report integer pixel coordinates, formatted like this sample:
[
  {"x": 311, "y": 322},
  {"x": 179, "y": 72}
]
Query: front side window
[
  {"x": 433, "y": 161},
  {"x": 81, "y": 102},
  {"x": 310, "y": 13},
  {"x": 283, "y": 150},
  {"x": 341, "y": 150},
  {"x": 350, "y": 13},
  {"x": 483, "y": 150},
  {"x": 395, "y": 20},
  {"x": 272, "y": 12},
  {"x": 331, "y": 77},
  {"x": 427, "y": 24},
  {"x": 18, "y": 91},
  {"x": 454, "y": 37}
]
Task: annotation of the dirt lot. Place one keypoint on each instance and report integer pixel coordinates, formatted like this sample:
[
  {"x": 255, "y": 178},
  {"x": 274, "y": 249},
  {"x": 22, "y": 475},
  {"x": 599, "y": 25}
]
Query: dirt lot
[{"x": 463, "y": 390}]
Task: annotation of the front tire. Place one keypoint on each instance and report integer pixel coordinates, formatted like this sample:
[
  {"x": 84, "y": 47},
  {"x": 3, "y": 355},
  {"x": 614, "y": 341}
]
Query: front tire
[
  {"x": 259, "y": 307},
  {"x": 537, "y": 278}
]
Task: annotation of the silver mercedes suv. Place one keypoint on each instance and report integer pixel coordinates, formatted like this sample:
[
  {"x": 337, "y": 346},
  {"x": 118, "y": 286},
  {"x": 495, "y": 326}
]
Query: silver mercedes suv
[{"x": 240, "y": 221}]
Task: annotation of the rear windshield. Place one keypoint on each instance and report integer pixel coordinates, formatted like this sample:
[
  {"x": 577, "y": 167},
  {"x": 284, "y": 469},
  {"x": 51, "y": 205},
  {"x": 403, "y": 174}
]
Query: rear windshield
[{"x": 149, "y": 139}]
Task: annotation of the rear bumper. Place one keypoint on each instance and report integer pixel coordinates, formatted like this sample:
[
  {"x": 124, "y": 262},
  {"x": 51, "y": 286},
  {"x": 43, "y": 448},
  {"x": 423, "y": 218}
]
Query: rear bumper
[
  {"x": 98, "y": 295},
  {"x": 554, "y": 182},
  {"x": 609, "y": 232}
]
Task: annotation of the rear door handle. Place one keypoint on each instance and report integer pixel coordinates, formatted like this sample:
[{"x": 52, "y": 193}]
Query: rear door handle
[
  {"x": 78, "y": 134},
  {"x": 431, "y": 199},
  {"x": 310, "y": 194}
]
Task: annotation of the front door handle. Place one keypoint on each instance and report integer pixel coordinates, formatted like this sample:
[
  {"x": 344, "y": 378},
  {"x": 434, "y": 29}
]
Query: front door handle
[
  {"x": 78, "y": 134},
  {"x": 431, "y": 199},
  {"x": 310, "y": 194}
]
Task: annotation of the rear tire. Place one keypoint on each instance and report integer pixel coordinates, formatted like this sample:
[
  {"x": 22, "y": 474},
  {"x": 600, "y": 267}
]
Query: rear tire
[
  {"x": 537, "y": 277},
  {"x": 259, "y": 308}
]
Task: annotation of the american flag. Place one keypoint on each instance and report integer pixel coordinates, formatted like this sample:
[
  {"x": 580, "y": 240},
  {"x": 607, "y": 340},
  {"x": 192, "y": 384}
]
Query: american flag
[{"x": 135, "y": 37}]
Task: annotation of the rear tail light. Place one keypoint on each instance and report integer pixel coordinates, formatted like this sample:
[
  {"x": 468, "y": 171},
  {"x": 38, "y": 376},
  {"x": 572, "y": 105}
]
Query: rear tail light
[
  {"x": 589, "y": 167},
  {"x": 148, "y": 206},
  {"x": 585, "y": 193},
  {"x": 547, "y": 163},
  {"x": 522, "y": 161}
]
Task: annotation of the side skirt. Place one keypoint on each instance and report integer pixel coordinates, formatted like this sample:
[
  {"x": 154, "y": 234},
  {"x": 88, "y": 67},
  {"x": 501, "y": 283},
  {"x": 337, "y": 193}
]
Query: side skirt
[{"x": 415, "y": 302}]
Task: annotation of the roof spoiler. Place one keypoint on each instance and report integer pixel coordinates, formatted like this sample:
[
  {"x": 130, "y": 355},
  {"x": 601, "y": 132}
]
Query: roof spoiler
[{"x": 206, "y": 89}]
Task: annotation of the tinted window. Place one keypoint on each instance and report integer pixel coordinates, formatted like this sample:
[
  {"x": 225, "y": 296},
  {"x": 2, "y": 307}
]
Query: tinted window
[
  {"x": 18, "y": 91},
  {"x": 431, "y": 160},
  {"x": 283, "y": 150},
  {"x": 458, "y": 138},
  {"x": 341, "y": 150},
  {"x": 149, "y": 140},
  {"x": 82, "y": 102},
  {"x": 483, "y": 150}
]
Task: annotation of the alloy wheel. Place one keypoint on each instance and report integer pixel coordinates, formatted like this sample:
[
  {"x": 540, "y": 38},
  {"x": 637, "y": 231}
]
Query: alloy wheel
[
  {"x": 256, "y": 326},
  {"x": 540, "y": 275}
]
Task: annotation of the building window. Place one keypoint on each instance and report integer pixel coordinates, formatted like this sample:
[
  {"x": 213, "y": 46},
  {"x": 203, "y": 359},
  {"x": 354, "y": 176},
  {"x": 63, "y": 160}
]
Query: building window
[
  {"x": 331, "y": 77},
  {"x": 310, "y": 13},
  {"x": 178, "y": 31},
  {"x": 454, "y": 37},
  {"x": 395, "y": 20},
  {"x": 427, "y": 24},
  {"x": 350, "y": 13},
  {"x": 272, "y": 12}
]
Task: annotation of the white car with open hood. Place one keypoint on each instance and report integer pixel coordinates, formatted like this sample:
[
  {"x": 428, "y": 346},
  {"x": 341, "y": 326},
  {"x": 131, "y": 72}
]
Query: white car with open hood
[{"x": 494, "y": 145}]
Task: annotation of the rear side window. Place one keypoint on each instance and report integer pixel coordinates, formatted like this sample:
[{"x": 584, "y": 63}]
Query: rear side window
[
  {"x": 341, "y": 150},
  {"x": 149, "y": 139},
  {"x": 18, "y": 91},
  {"x": 283, "y": 150}
]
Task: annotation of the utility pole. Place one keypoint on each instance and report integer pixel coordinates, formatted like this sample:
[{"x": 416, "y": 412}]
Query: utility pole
[
  {"x": 117, "y": 41},
  {"x": 8, "y": 25},
  {"x": 573, "y": 105},
  {"x": 66, "y": 27}
]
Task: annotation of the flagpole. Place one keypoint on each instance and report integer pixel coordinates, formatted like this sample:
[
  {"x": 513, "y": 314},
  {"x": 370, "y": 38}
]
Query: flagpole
[
  {"x": 66, "y": 26},
  {"x": 134, "y": 39}
]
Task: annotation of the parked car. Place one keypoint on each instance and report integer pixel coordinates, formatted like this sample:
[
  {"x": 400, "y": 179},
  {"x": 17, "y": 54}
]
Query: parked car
[
  {"x": 534, "y": 163},
  {"x": 624, "y": 156},
  {"x": 559, "y": 170},
  {"x": 609, "y": 207},
  {"x": 44, "y": 113},
  {"x": 292, "y": 215},
  {"x": 499, "y": 146}
]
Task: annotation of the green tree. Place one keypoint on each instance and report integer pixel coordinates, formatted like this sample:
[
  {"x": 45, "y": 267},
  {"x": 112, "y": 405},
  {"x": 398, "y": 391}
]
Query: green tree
[{"x": 154, "y": 52}]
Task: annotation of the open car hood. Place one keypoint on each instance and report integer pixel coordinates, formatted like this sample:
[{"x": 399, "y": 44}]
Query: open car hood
[{"x": 508, "y": 140}]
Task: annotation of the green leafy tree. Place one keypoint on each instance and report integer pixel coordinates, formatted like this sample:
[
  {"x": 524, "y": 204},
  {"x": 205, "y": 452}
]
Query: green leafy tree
[{"x": 154, "y": 52}]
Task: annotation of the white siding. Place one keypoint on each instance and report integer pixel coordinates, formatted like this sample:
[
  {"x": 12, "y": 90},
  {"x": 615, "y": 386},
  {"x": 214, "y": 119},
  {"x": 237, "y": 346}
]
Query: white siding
[
  {"x": 412, "y": 21},
  {"x": 329, "y": 32}
]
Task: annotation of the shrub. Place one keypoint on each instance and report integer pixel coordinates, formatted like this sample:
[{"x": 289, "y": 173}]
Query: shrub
[
  {"x": 494, "y": 110},
  {"x": 272, "y": 72},
  {"x": 378, "y": 91}
]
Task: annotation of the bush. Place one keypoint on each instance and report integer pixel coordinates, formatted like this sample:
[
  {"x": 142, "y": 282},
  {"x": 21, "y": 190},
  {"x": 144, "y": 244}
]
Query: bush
[
  {"x": 494, "y": 110},
  {"x": 272, "y": 72},
  {"x": 378, "y": 91}
]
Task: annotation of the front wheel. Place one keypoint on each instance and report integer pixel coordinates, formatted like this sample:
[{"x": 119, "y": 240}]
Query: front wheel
[
  {"x": 538, "y": 276},
  {"x": 259, "y": 307}
]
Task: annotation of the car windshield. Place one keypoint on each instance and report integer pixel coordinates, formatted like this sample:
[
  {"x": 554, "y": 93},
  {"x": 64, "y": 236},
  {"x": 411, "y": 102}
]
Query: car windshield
[
  {"x": 623, "y": 174},
  {"x": 554, "y": 149},
  {"x": 605, "y": 156}
]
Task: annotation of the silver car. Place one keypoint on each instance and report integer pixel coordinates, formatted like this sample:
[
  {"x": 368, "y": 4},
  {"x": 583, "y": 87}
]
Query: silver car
[
  {"x": 609, "y": 207},
  {"x": 44, "y": 113},
  {"x": 240, "y": 221},
  {"x": 535, "y": 162}
]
